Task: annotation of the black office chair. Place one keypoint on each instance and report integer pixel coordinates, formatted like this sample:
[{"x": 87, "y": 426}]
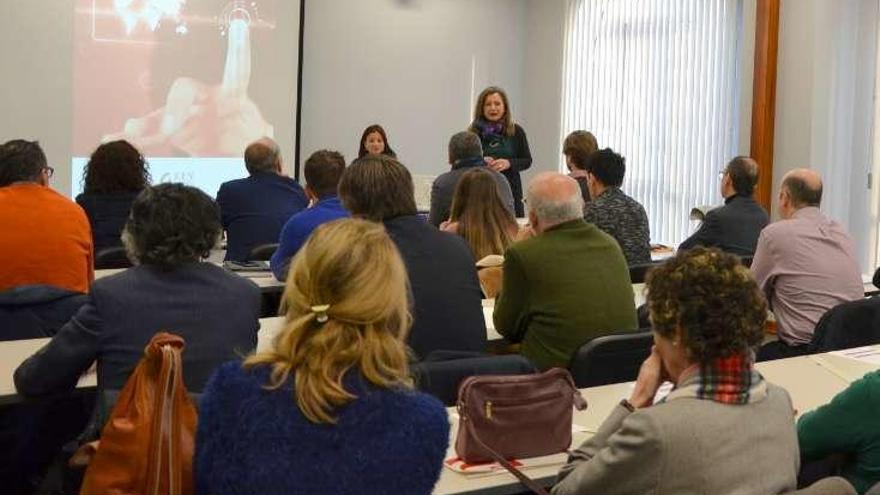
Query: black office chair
[
  {"x": 847, "y": 325},
  {"x": 263, "y": 252},
  {"x": 113, "y": 257},
  {"x": 36, "y": 311},
  {"x": 442, "y": 378},
  {"x": 612, "y": 358},
  {"x": 638, "y": 273}
]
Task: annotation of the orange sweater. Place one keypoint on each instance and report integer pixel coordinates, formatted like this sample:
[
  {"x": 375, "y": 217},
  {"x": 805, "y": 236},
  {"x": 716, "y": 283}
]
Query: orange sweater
[{"x": 45, "y": 239}]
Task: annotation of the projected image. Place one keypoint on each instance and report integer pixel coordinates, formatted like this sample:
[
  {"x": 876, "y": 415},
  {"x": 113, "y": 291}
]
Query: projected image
[{"x": 175, "y": 78}]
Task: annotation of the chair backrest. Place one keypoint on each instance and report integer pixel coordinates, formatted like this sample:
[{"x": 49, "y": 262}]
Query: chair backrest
[
  {"x": 611, "y": 358},
  {"x": 834, "y": 485},
  {"x": 851, "y": 324},
  {"x": 638, "y": 273},
  {"x": 263, "y": 252},
  {"x": 441, "y": 378},
  {"x": 114, "y": 257},
  {"x": 36, "y": 311}
]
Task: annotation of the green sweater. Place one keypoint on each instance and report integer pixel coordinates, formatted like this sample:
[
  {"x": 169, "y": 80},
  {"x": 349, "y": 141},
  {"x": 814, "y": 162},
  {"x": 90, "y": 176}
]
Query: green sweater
[
  {"x": 561, "y": 289},
  {"x": 849, "y": 424}
]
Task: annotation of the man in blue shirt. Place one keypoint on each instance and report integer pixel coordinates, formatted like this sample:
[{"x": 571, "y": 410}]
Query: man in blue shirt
[
  {"x": 254, "y": 209},
  {"x": 322, "y": 172}
]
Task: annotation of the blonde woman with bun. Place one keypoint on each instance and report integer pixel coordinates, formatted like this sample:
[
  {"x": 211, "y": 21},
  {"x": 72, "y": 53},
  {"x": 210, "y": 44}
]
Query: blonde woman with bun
[{"x": 330, "y": 407}]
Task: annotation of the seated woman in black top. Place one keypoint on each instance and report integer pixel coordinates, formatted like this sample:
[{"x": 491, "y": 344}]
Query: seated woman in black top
[{"x": 113, "y": 177}]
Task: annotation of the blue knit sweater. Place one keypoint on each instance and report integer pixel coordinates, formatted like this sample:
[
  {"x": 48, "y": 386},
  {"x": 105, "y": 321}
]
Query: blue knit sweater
[{"x": 253, "y": 440}]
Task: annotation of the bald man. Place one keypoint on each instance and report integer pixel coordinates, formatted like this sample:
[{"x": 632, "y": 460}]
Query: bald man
[
  {"x": 254, "y": 209},
  {"x": 566, "y": 284},
  {"x": 734, "y": 227},
  {"x": 805, "y": 264}
]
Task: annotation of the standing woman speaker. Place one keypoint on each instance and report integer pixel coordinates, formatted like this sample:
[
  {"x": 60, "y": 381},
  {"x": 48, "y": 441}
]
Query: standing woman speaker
[{"x": 505, "y": 146}]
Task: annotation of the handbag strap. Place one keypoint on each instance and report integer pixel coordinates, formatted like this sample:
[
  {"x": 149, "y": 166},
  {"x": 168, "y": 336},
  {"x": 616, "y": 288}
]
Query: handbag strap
[{"x": 525, "y": 480}]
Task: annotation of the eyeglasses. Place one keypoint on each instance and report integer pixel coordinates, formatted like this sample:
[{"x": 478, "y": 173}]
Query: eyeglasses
[{"x": 49, "y": 171}]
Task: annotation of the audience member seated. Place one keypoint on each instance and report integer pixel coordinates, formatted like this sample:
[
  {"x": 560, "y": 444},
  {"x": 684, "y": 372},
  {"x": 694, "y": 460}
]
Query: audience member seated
[
  {"x": 805, "y": 264},
  {"x": 617, "y": 214},
  {"x": 479, "y": 215},
  {"x": 374, "y": 141},
  {"x": 446, "y": 306},
  {"x": 465, "y": 154},
  {"x": 723, "y": 429},
  {"x": 734, "y": 227},
  {"x": 847, "y": 426},
  {"x": 579, "y": 144},
  {"x": 567, "y": 284},
  {"x": 322, "y": 171},
  {"x": 113, "y": 177},
  {"x": 46, "y": 237},
  {"x": 255, "y": 208},
  {"x": 171, "y": 228},
  {"x": 330, "y": 408}
]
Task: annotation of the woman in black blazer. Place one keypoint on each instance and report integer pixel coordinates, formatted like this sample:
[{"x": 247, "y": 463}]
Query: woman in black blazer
[{"x": 505, "y": 146}]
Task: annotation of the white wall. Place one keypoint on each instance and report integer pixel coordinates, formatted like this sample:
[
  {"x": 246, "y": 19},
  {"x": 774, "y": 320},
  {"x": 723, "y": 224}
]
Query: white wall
[
  {"x": 541, "y": 116},
  {"x": 412, "y": 66},
  {"x": 35, "y": 102},
  {"x": 824, "y": 104}
]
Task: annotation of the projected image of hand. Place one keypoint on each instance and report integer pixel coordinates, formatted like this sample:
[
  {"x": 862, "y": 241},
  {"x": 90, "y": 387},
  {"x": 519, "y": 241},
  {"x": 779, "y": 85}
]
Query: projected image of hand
[{"x": 206, "y": 120}]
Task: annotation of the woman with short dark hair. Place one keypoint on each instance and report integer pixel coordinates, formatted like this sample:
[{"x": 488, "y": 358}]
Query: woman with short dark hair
[
  {"x": 723, "y": 429},
  {"x": 113, "y": 177},
  {"x": 577, "y": 148},
  {"x": 172, "y": 227}
]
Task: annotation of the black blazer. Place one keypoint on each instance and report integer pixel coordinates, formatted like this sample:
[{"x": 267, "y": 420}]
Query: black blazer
[
  {"x": 216, "y": 312},
  {"x": 733, "y": 228},
  {"x": 447, "y": 307}
]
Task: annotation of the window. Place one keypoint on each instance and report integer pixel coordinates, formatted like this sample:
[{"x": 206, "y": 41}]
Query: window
[{"x": 658, "y": 81}]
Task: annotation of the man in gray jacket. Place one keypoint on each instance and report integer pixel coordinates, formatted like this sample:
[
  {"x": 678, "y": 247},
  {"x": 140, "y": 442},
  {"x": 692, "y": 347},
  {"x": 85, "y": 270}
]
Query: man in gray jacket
[{"x": 465, "y": 152}]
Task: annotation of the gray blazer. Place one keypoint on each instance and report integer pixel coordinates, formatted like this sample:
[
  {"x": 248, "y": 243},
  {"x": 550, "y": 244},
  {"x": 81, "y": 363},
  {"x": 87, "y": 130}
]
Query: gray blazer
[
  {"x": 443, "y": 189},
  {"x": 689, "y": 446}
]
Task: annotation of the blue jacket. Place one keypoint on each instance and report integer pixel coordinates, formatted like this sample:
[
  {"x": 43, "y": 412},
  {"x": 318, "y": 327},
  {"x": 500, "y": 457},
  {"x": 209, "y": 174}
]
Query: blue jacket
[
  {"x": 254, "y": 440},
  {"x": 254, "y": 209},
  {"x": 215, "y": 311},
  {"x": 299, "y": 227}
]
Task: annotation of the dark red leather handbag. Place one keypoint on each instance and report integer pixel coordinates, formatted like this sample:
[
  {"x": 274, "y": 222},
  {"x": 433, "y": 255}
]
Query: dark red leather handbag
[{"x": 516, "y": 417}]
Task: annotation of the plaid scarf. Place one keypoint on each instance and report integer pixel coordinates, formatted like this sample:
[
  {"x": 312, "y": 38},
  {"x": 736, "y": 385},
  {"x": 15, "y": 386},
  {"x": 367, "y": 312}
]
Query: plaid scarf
[
  {"x": 489, "y": 129},
  {"x": 729, "y": 380}
]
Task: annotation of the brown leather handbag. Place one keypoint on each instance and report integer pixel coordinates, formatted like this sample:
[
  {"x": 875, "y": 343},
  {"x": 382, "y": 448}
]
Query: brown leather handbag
[
  {"x": 516, "y": 417},
  {"x": 146, "y": 446}
]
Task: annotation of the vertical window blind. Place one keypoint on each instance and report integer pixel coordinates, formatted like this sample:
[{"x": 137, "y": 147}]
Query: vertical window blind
[{"x": 657, "y": 81}]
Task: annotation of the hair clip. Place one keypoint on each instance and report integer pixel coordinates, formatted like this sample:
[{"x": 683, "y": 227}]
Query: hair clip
[{"x": 321, "y": 312}]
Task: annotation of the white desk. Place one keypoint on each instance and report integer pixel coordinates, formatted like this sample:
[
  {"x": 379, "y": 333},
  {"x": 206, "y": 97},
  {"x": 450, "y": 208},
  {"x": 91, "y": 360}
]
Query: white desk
[
  {"x": 12, "y": 353},
  {"x": 269, "y": 327},
  {"x": 809, "y": 384},
  {"x": 846, "y": 368},
  {"x": 265, "y": 280}
]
